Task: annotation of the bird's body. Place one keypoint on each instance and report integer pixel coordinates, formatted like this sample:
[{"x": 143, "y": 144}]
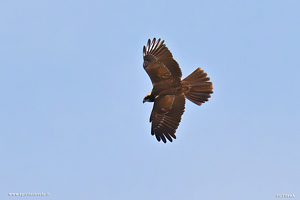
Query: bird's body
[{"x": 169, "y": 91}]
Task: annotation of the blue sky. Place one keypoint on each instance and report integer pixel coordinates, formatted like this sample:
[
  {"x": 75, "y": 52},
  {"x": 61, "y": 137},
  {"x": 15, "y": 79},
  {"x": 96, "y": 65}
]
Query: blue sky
[{"x": 72, "y": 121}]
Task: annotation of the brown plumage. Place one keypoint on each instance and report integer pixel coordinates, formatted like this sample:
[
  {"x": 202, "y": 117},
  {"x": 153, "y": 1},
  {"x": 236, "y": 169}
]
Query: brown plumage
[{"x": 169, "y": 91}]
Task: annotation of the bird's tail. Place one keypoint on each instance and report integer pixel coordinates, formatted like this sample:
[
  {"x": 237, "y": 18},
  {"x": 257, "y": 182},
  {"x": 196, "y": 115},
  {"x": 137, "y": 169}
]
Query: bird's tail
[{"x": 198, "y": 89}]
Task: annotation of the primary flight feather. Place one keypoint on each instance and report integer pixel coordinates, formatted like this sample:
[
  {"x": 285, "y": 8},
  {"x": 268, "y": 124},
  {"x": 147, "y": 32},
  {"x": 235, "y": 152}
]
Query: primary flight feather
[{"x": 169, "y": 91}]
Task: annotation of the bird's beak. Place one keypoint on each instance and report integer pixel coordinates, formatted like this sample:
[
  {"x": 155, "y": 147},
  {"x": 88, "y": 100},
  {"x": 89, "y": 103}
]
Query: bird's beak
[{"x": 143, "y": 100}]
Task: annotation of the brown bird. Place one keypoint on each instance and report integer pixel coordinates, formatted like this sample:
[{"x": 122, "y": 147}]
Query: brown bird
[{"x": 169, "y": 91}]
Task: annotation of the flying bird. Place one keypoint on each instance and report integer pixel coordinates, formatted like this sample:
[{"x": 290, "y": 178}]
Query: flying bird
[{"x": 169, "y": 91}]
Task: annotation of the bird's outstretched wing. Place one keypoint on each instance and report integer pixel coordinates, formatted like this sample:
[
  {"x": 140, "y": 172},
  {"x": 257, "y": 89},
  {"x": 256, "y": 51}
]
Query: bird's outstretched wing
[
  {"x": 159, "y": 62},
  {"x": 166, "y": 116}
]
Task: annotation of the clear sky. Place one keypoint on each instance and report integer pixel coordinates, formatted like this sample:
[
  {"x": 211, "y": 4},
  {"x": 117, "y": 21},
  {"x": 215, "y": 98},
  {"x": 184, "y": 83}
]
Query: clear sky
[{"x": 72, "y": 121}]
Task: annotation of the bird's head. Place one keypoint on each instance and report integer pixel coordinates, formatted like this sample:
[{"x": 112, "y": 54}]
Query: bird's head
[{"x": 148, "y": 98}]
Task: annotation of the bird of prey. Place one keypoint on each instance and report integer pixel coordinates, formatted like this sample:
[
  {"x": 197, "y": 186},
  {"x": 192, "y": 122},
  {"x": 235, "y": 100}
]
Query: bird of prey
[{"x": 169, "y": 91}]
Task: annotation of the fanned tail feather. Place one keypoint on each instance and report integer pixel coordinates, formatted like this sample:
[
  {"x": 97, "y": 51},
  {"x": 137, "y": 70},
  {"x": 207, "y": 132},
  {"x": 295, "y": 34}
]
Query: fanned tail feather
[{"x": 199, "y": 89}]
